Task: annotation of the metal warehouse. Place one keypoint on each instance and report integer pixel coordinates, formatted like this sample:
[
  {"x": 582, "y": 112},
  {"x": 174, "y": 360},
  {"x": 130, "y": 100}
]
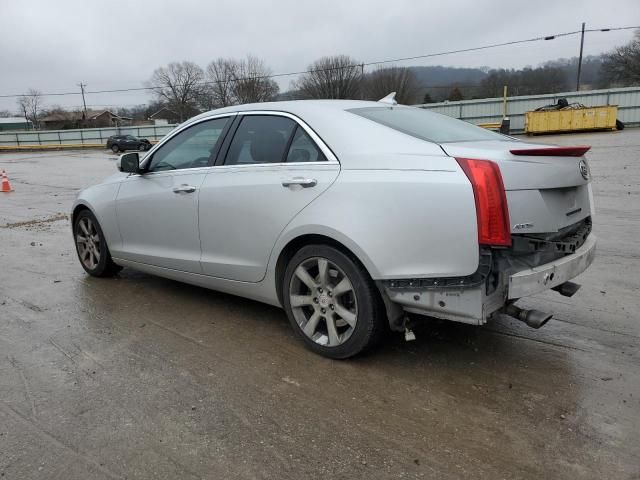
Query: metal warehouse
[{"x": 15, "y": 123}]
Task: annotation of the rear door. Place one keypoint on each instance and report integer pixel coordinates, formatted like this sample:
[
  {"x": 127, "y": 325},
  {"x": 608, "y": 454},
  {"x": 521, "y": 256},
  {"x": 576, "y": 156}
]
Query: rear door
[
  {"x": 274, "y": 166},
  {"x": 157, "y": 212}
]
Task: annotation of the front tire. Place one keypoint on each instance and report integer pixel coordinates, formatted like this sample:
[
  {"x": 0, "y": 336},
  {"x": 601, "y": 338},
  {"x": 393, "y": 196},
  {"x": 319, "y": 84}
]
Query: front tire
[
  {"x": 115, "y": 148},
  {"x": 91, "y": 246},
  {"x": 332, "y": 303}
]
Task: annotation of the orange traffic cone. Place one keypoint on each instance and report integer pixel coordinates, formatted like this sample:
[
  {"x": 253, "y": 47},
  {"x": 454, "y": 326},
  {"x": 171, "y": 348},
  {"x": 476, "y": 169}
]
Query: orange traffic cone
[{"x": 6, "y": 186}]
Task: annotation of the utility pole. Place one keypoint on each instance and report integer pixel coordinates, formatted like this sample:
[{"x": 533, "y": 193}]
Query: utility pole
[
  {"x": 82, "y": 85},
  {"x": 580, "y": 58}
]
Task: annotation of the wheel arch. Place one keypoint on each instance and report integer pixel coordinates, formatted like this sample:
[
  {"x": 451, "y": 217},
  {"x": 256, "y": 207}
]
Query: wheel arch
[
  {"x": 77, "y": 209},
  {"x": 393, "y": 312},
  {"x": 296, "y": 243}
]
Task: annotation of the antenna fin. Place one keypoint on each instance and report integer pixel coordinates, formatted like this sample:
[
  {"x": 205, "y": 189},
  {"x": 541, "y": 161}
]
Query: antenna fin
[{"x": 389, "y": 99}]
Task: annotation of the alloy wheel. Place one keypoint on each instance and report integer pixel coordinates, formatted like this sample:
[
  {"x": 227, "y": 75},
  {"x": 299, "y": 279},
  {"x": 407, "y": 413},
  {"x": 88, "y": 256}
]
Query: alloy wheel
[
  {"x": 88, "y": 242},
  {"x": 323, "y": 301}
]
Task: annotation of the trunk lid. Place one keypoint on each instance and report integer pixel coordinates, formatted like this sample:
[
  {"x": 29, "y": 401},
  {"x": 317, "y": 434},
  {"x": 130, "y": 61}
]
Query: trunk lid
[{"x": 546, "y": 190}]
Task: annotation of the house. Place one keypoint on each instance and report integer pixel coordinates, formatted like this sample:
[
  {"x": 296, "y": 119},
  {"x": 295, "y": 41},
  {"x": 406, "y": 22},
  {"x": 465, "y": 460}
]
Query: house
[
  {"x": 141, "y": 122},
  {"x": 94, "y": 119},
  {"x": 15, "y": 123},
  {"x": 164, "y": 116}
]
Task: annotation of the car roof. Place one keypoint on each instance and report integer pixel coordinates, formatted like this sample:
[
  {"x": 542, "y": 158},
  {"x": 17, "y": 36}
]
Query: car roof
[
  {"x": 296, "y": 107},
  {"x": 346, "y": 134}
]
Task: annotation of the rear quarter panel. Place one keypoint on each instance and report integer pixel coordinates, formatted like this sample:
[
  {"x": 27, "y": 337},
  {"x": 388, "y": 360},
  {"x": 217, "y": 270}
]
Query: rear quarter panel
[{"x": 401, "y": 223}]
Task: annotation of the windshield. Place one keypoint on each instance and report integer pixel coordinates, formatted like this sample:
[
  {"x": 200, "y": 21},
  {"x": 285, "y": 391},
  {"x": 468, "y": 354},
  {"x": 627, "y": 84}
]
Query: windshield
[{"x": 426, "y": 125}]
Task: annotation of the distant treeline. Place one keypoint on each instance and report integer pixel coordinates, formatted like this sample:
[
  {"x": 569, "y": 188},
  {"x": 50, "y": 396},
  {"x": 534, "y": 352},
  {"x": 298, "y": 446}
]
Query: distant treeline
[
  {"x": 183, "y": 89},
  {"x": 551, "y": 77}
]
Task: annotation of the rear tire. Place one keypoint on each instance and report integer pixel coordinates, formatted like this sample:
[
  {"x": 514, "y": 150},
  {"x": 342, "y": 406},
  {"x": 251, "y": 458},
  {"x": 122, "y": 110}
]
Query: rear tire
[
  {"x": 115, "y": 148},
  {"x": 91, "y": 246},
  {"x": 332, "y": 303}
]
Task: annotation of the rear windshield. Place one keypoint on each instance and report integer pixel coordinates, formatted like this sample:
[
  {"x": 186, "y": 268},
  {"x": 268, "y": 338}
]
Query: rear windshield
[{"x": 426, "y": 125}]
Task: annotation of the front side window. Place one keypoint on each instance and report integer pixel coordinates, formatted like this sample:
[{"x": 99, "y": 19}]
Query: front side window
[
  {"x": 260, "y": 139},
  {"x": 192, "y": 148}
]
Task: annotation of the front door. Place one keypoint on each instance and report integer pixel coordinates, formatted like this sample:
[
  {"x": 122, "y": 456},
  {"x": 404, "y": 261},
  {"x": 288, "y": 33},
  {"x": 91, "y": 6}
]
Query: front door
[
  {"x": 272, "y": 170},
  {"x": 157, "y": 211}
]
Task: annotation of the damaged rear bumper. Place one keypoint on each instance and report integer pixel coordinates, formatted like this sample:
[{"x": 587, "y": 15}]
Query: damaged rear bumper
[
  {"x": 538, "y": 279},
  {"x": 469, "y": 299}
]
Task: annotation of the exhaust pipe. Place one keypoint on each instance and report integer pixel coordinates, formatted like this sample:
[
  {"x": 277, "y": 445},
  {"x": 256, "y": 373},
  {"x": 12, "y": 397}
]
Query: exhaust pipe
[{"x": 533, "y": 318}]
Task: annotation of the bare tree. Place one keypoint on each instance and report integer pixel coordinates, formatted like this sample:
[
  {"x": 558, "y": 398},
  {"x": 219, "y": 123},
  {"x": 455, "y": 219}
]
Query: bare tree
[
  {"x": 455, "y": 95},
  {"x": 31, "y": 106},
  {"x": 23, "y": 103},
  {"x": 153, "y": 107},
  {"x": 231, "y": 81},
  {"x": 252, "y": 82},
  {"x": 180, "y": 85},
  {"x": 136, "y": 112},
  {"x": 5, "y": 114},
  {"x": 383, "y": 81},
  {"x": 339, "y": 76},
  {"x": 55, "y": 109},
  {"x": 219, "y": 91},
  {"x": 622, "y": 65}
]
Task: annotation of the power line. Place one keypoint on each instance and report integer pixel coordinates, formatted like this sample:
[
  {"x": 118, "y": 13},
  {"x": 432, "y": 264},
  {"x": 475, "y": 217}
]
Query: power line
[{"x": 359, "y": 65}]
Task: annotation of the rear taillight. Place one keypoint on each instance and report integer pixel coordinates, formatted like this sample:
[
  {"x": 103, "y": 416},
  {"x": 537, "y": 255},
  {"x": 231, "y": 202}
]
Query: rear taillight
[{"x": 491, "y": 201}]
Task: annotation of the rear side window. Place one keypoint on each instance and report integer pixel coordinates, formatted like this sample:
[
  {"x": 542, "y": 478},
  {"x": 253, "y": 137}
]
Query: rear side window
[
  {"x": 303, "y": 149},
  {"x": 426, "y": 125},
  {"x": 260, "y": 139}
]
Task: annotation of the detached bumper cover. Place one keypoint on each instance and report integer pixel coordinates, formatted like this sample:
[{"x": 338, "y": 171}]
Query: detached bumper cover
[{"x": 541, "y": 278}]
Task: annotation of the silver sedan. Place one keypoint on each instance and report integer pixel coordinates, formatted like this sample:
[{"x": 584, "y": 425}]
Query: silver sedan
[{"x": 350, "y": 215}]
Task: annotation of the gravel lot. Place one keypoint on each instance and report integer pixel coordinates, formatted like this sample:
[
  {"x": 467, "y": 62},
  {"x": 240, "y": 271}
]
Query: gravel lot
[{"x": 140, "y": 377}]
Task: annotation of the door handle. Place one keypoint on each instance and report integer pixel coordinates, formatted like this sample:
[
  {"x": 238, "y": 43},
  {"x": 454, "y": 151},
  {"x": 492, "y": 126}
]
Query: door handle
[
  {"x": 184, "y": 188},
  {"x": 303, "y": 182}
]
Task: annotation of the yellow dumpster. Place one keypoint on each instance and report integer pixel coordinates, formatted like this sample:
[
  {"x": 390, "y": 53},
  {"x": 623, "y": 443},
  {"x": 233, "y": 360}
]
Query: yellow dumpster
[{"x": 571, "y": 119}]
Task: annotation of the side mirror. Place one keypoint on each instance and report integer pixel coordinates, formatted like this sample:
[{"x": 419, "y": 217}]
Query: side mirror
[{"x": 129, "y": 163}]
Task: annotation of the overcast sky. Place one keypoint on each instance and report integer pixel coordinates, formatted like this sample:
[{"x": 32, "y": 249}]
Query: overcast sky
[{"x": 53, "y": 45}]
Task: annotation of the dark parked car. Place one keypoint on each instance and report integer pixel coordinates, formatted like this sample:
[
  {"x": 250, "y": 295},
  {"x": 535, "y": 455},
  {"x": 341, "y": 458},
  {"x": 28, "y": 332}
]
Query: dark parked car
[{"x": 120, "y": 143}]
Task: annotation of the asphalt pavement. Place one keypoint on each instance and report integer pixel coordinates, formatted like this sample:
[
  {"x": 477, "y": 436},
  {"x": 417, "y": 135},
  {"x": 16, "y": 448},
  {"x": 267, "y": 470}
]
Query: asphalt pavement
[{"x": 141, "y": 377}]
